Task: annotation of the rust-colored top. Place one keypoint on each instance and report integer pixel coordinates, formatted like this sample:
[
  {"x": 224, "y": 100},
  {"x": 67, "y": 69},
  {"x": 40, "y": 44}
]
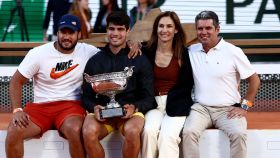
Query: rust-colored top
[{"x": 166, "y": 77}]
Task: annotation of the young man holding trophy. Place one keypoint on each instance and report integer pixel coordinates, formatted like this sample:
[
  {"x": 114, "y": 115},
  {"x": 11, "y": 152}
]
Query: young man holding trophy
[{"x": 117, "y": 91}]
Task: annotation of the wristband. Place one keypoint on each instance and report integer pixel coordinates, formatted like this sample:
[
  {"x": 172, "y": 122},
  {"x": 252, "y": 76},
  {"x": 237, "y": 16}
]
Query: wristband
[
  {"x": 17, "y": 110},
  {"x": 246, "y": 104}
]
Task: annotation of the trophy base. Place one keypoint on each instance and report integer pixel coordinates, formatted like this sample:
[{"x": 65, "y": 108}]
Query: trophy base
[{"x": 112, "y": 112}]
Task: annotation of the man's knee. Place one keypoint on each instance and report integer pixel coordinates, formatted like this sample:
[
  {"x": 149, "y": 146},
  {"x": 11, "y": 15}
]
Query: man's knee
[
  {"x": 90, "y": 132},
  {"x": 237, "y": 135},
  {"x": 72, "y": 129},
  {"x": 13, "y": 134},
  {"x": 133, "y": 132},
  {"x": 190, "y": 133}
]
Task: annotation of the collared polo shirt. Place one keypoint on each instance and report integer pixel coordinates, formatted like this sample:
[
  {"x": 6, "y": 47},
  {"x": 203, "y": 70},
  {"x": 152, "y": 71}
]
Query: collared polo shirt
[{"x": 217, "y": 73}]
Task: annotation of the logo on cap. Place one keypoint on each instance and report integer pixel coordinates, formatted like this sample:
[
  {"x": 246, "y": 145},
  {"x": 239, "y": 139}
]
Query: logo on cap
[{"x": 70, "y": 21}]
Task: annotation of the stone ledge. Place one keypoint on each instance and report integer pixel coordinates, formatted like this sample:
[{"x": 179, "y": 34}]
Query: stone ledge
[
  {"x": 256, "y": 120},
  {"x": 212, "y": 144}
]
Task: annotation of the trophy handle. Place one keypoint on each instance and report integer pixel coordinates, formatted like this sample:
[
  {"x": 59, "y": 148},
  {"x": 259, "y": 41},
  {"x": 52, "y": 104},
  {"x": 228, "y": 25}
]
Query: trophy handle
[{"x": 129, "y": 71}]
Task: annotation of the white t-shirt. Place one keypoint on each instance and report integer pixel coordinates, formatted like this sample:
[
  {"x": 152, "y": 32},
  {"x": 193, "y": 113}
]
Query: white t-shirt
[
  {"x": 217, "y": 73},
  {"x": 56, "y": 76}
]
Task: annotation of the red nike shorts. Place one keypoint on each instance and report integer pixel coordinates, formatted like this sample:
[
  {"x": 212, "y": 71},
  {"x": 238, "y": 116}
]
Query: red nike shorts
[{"x": 51, "y": 115}]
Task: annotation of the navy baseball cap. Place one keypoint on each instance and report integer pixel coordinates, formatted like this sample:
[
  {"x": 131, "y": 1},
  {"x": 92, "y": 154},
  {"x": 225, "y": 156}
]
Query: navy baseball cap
[{"x": 69, "y": 21}]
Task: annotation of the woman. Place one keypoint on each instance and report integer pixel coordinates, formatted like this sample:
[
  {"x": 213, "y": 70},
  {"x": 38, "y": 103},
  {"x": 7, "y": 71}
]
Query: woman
[
  {"x": 108, "y": 7},
  {"x": 173, "y": 83},
  {"x": 81, "y": 10},
  {"x": 138, "y": 12}
]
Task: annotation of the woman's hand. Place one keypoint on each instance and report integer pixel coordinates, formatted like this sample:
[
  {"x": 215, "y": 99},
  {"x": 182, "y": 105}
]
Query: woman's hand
[{"x": 135, "y": 48}]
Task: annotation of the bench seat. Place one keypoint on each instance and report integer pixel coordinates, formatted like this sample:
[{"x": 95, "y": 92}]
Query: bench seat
[
  {"x": 256, "y": 120},
  {"x": 263, "y": 140}
]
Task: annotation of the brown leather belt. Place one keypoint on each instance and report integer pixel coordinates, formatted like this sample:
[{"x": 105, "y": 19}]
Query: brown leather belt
[{"x": 161, "y": 93}]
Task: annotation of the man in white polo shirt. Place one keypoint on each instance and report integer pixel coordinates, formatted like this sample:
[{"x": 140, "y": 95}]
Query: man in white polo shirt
[{"x": 217, "y": 68}]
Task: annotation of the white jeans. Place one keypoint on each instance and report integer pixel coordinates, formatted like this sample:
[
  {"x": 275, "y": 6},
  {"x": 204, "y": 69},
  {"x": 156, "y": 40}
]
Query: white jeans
[
  {"x": 202, "y": 117},
  {"x": 161, "y": 134}
]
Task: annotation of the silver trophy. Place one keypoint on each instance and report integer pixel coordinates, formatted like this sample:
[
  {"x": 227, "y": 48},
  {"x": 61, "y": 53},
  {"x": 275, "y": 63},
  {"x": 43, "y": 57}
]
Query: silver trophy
[{"x": 110, "y": 84}]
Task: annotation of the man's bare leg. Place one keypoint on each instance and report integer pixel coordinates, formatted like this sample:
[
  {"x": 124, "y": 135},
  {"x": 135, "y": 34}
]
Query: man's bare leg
[
  {"x": 132, "y": 133},
  {"x": 15, "y": 137},
  {"x": 93, "y": 132},
  {"x": 71, "y": 129}
]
